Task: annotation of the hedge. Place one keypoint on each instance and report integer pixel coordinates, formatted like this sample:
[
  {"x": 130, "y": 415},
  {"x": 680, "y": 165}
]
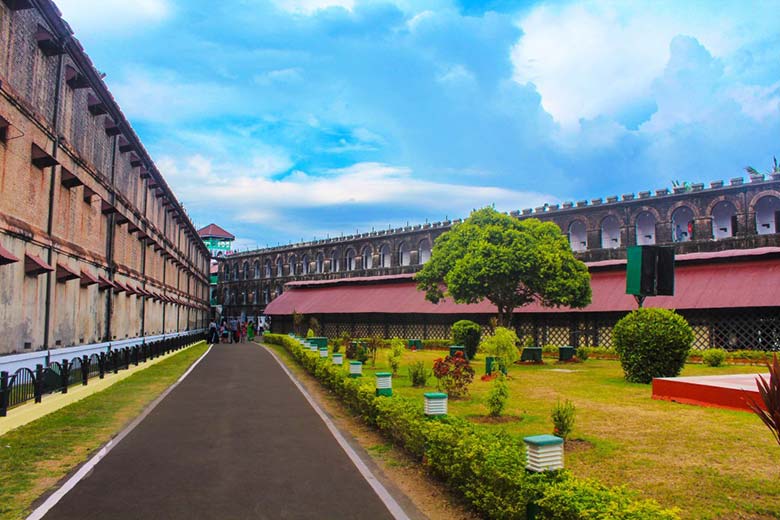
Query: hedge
[{"x": 486, "y": 468}]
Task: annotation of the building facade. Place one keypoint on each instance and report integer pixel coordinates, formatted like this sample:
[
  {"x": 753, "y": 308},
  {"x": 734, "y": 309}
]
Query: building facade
[{"x": 94, "y": 246}]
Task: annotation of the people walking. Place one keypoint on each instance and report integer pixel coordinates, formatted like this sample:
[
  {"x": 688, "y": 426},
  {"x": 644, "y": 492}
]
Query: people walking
[
  {"x": 250, "y": 330},
  {"x": 213, "y": 337}
]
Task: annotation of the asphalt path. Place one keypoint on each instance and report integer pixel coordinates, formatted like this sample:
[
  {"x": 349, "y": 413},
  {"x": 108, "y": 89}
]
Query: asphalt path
[{"x": 235, "y": 439}]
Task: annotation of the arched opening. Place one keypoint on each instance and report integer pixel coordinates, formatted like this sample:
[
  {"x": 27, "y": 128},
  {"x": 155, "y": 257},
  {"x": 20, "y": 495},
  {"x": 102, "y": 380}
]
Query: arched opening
[
  {"x": 682, "y": 224},
  {"x": 424, "y": 251},
  {"x": 278, "y": 290},
  {"x": 384, "y": 256},
  {"x": 724, "y": 220},
  {"x": 293, "y": 263},
  {"x": 305, "y": 264},
  {"x": 368, "y": 260},
  {"x": 767, "y": 215},
  {"x": 610, "y": 232},
  {"x": 349, "y": 260},
  {"x": 266, "y": 295},
  {"x": 578, "y": 236},
  {"x": 279, "y": 267},
  {"x": 268, "y": 268},
  {"x": 246, "y": 270},
  {"x": 335, "y": 265},
  {"x": 645, "y": 229},
  {"x": 257, "y": 269},
  {"x": 403, "y": 254},
  {"x": 320, "y": 263},
  {"x": 226, "y": 272}
]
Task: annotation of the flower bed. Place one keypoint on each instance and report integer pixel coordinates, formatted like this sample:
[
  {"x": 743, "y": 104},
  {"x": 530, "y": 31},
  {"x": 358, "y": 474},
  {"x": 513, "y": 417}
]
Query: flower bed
[{"x": 487, "y": 469}]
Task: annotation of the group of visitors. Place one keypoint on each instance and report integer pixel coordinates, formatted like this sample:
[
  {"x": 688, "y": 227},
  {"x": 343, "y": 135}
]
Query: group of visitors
[{"x": 233, "y": 331}]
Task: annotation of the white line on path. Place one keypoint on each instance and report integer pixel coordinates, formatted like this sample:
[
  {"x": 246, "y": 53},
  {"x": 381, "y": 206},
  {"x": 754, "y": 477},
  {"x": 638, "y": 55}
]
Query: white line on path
[
  {"x": 55, "y": 497},
  {"x": 392, "y": 506}
]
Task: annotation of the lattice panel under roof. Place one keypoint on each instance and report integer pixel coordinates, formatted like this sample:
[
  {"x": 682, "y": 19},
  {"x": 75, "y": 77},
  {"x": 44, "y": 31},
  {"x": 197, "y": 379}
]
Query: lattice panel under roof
[
  {"x": 415, "y": 330},
  {"x": 605, "y": 336},
  {"x": 557, "y": 335},
  {"x": 396, "y": 330},
  {"x": 362, "y": 330},
  {"x": 377, "y": 330},
  {"x": 438, "y": 331},
  {"x": 754, "y": 331},
  {"x": 331, "y": 330}
]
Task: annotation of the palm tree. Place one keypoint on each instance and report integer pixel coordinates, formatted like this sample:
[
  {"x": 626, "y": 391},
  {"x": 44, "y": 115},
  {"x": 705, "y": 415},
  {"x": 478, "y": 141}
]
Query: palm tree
[{"x": 775, "y": 169}]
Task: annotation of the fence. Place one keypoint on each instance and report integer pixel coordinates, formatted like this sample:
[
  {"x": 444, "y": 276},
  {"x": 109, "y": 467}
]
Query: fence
[{"x": 26, "y": 384}]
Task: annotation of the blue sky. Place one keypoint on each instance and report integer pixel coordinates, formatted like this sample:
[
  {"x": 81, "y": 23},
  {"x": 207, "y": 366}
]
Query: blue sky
[{"x": 284, "y": 120}]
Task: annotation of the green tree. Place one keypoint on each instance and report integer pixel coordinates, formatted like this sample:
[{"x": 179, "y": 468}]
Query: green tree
[
  {"x": 775, "y": 168},
  {"x": 468, "y": 334},
  {"x": 507, "y": 261}
]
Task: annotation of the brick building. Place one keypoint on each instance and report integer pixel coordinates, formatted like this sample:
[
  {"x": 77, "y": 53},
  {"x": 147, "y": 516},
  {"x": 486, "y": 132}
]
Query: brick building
[
  {"x": 94, "y": 246},
  {"x": 353, "y": 284}
]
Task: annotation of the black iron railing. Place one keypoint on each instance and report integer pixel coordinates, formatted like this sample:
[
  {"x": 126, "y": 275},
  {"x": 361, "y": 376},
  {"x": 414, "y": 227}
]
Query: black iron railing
[{"x": 27, "y": 385}]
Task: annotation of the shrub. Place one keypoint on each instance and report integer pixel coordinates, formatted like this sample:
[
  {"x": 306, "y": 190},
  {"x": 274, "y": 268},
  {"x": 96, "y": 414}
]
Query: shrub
[
  {"x": 418, "y": 374},
  {"x": 770, "y": 395},
  {"x": 547, "y": 349},
  {"x": 652, "y": 343},
  {"x": 502, "y": 345},
  {"x": 583, "y": 353},
  {"x": 454, "y": 374},
  {"x": 314, "y": 326},
  {"x": 436, "y": 344},
  {"x": 397, "y": 348},
  {"x": 485, "y": 468},
  {"x": 310, "y": 333},
  {"x": 372, "y": 346},
  {"x": 467, "y": 333},
  {"x": 498, "y": 396},
  {"x": 563, "y": 419},
  {"x": 713, "y": 357}
]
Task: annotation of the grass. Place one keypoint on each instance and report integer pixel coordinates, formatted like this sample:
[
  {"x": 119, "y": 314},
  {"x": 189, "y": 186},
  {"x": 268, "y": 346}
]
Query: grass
[
  {"x": 709, "y": 462},
  {"x": 36, "y": 456}
]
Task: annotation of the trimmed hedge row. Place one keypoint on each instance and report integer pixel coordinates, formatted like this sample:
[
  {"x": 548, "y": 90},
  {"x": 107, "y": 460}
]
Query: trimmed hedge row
[{"x": 486, "y": 468}]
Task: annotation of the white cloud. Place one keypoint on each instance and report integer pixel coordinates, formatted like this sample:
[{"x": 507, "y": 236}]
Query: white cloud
[
  {"x": 113, "y": 15},
  {"x": 760, "y": 103},
  {"x": 309, "y": 7}
]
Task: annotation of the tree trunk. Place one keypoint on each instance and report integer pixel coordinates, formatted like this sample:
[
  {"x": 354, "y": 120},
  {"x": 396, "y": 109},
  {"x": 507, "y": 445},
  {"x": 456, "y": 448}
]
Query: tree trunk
[{"x": 505, "y": 316}]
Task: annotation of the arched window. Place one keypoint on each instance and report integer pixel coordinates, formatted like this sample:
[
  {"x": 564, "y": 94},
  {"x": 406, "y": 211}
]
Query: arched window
[
  {"x": 423, "y": 251},
  {"x": 724, "y": 220},
  {"x": 319, "y": 264},
  {"x": 256, "y": 267},
  {"x": 349, "y": 260},
  {"x": 767, "y": 215},
  {"x": 226, "y": 272},
  {"x": 235, "y": 271},
  {"x": 266, "y": 295},
  {"x": 246, "y": 270},
  {"x": 226, "y": 297},
  {"x": 682, "y": 224},
  {"x": 293, "y": 261},
  {"x": 279, "y": 267},
  {"x": 305, "y": 264},
  {"x": 267, "y": 268},
  {"x": 645, "y": 229},
  {"x": 403, "y": 254},
  {"x": 243, "y": 297},
  {"x": 335, "y": 265},
  {"x": 254, "y": 296},
  {"x": 368, "y": 259},
  {"x": 610, "y": 232},
  {"x": 384, "y": 256},
  {"x": 278, "y": 290},
  {"x": 578, "y": 236}
]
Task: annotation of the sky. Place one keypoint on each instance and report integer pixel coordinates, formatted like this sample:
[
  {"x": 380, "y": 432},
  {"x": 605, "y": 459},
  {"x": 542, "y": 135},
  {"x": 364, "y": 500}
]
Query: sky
[{"x": 286, "y": 120}]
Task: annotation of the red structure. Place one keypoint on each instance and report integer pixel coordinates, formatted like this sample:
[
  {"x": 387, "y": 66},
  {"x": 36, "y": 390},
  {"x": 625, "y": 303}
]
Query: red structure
[{"x": 731, "y": 392}]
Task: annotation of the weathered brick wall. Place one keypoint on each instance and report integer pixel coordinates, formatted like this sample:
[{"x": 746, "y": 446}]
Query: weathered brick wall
[{"x": 41, "y": 216}]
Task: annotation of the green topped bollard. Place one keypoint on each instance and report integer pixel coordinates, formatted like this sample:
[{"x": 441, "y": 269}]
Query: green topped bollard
[
  {"x": 323, "y": 352},
  {"x": 338, "y": 359},
  {"x": 457, "y": 348},
  {"x": 355, "y": 369},
  {"x": 415, "y": 344},
  {"x": 435, "y": 404},
  {"x": 320, "y": 341},
  {"x": 384, "y": 384},
  {"x": 533, "y": 354},
  {"x": 543, "y": 453},
  {"x": 565, "y": 353}
]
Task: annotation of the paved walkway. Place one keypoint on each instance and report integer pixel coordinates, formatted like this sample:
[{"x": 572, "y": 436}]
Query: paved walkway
[{"x": 236, "y": 439}]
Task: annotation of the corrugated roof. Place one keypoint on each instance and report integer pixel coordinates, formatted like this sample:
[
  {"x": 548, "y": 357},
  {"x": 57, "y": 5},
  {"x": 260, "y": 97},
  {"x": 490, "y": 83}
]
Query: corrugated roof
[
  {"x": 737, "y": 284},
  {"x": 214, "y": 231}
]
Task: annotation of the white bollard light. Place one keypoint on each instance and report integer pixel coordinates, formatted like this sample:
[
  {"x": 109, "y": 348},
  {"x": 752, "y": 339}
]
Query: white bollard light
[
  {"x": 338, "y": 359},
  {"x": 435, "y": 404},
  {"x": 384, "y": 383},
  {"x": 323, "y": 352},
  {"x": 543, "y": 453},
  {"x": 355, "y": 369}
]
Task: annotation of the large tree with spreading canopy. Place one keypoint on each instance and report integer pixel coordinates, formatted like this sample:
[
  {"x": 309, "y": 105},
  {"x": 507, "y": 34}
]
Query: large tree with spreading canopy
[{"x": 507, "y": 261}]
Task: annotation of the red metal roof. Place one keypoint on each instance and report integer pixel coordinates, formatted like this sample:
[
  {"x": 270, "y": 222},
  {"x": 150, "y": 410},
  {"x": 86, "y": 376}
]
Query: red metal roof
[
  {"x": 214, "y": 231},
  {"x": 748, "y": 283},
  {"x": 6, "y": 257}
]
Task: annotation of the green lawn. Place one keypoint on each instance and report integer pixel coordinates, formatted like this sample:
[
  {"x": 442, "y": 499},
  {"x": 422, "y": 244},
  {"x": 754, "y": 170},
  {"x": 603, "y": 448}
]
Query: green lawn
[
  {"x": 36, "y": 456},
  {"x": 711, "y": 463}
]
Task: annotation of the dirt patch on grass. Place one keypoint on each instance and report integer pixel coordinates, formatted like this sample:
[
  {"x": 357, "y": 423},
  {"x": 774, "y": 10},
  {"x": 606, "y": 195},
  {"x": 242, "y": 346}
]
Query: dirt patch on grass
[{"x": 575, "y": 445}]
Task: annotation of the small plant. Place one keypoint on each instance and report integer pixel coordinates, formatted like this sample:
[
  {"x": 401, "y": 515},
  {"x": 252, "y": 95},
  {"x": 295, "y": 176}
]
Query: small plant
[
  {"x": 652, "y": 343},
  {"x": 342, "y": 341},
  {"x": 310, "y": 333},
  {"x": 361, "y": 351},
  {"x": 454, "y": 374},
  {"x": 583, "y": 353},
  {"x": 498, "y": 396},
  {"x": 502, "y": 345},
  {"x": 372, "y": 346},
  {"x": 467, "y": 333},
  {"x": 314, "y": 325},
  {"x": 394, "y": 356},
  {"x": 418, "y": 374},
  {"x": 713, "y": 357},
  {"x": 563, "y": 419},
  {"x": 297, "y": 319},
  {"x": 770, "y": 395}
]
